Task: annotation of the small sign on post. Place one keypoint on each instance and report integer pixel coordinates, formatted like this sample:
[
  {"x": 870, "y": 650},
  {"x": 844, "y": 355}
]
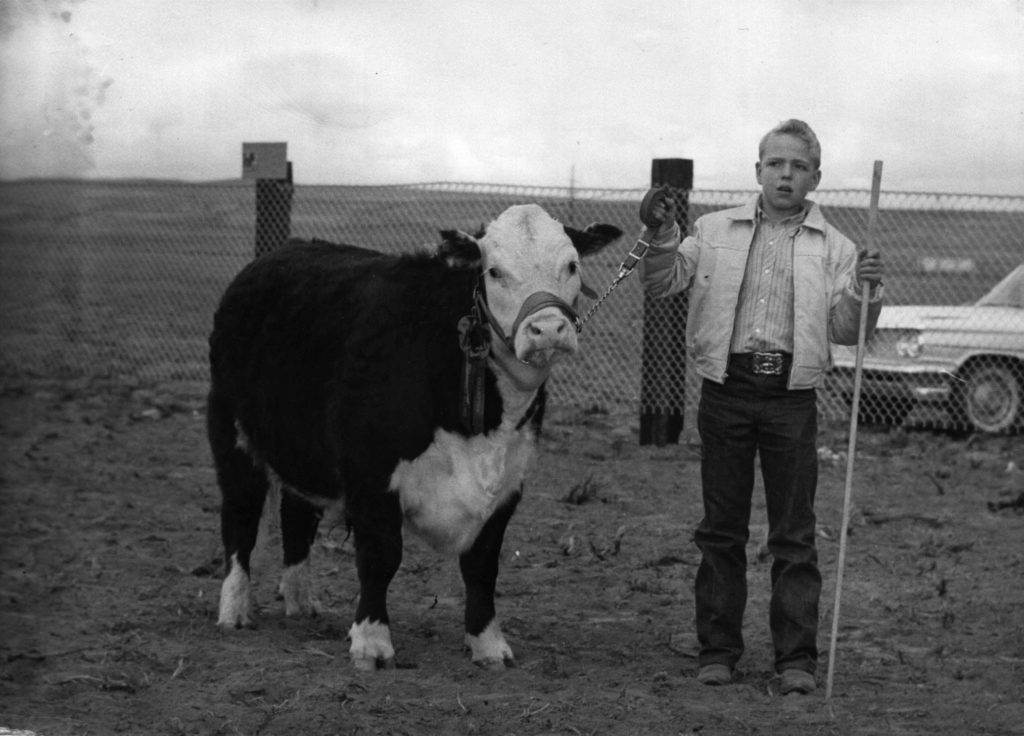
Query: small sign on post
[
  {"x": 267, "y": 164},
  {"x": 264, "y": 161}
]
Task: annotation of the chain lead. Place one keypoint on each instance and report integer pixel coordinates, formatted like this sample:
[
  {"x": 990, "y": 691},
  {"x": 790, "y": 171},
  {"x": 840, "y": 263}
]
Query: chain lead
[
  {"x": 632, "y": 258},
  {"x": 654, "y": 196}
]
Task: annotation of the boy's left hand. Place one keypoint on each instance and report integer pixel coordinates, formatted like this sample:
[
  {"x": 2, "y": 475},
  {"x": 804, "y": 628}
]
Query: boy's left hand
[{"x": 869, "y": 269}]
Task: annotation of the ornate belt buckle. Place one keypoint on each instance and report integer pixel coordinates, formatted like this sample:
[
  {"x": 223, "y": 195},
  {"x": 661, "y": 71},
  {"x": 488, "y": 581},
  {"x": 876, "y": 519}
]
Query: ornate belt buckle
[{"x": 767, "y": 364}]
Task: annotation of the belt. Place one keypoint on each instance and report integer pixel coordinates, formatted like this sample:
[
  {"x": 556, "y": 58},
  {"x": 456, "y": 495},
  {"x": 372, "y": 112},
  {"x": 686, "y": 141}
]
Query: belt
[{"x": 763, "y": 363}]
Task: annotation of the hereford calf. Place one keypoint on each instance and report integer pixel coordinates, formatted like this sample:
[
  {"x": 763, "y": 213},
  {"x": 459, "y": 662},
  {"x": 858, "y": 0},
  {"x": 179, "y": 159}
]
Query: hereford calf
[{"x": 408, "y": 389}]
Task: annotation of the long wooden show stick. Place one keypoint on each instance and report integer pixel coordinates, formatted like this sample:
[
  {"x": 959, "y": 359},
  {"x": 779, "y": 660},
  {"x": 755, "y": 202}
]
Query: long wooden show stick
[{"x": 876, "y": 183}]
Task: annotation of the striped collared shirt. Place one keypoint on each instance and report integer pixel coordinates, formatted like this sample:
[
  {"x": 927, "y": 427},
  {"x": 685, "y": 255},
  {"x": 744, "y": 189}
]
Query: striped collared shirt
[{"x": 764, "y": 312}]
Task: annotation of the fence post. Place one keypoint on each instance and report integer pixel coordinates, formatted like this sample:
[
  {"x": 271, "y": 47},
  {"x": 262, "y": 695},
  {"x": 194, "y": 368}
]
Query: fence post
[
  {"x": 273, "y": 212},
  {"x": 663, "y": 368},
  {"x": 267, "y": 164}
]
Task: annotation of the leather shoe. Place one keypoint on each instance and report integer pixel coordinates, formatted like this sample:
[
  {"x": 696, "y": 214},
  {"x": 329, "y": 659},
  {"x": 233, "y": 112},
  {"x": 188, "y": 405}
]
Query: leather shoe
[
  {"x": 796, "y": 681},
  {"x": 714, "y": 674}
]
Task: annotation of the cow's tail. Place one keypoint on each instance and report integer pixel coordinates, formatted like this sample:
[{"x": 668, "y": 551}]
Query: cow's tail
[
  {"x": 242, "y": 477},
  {"x": 222, "y": 429}
]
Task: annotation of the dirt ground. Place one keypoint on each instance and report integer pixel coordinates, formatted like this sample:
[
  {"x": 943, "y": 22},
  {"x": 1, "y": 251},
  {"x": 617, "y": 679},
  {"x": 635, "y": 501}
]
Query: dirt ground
[{"x": 110, "y": 566}]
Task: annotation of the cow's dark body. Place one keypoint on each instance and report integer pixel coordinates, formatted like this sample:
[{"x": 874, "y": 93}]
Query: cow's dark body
[
  {"x": 337, "y": 376},
  {"x": 336, "y": 362}
]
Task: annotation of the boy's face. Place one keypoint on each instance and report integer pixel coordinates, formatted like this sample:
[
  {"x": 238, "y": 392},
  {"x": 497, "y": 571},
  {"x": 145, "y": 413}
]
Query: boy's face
[{"x": 786, "y": 174}]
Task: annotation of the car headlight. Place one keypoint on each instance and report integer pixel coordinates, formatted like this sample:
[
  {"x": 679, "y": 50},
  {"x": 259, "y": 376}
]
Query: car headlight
[{"x": 909, "y": 346}]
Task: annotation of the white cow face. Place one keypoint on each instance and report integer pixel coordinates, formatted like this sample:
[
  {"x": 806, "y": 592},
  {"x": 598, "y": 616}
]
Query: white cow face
[{"x": 525, "y": 251}]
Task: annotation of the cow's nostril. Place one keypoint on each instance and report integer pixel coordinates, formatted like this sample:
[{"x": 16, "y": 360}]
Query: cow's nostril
[{"x": 547, "y": 329}]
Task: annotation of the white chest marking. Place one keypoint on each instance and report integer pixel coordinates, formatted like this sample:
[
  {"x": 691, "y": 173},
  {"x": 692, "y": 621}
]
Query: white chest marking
[{"x": 453, "y": 488}]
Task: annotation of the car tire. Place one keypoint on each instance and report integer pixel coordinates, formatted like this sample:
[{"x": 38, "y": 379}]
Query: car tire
[{"x": 990, "y": 396}]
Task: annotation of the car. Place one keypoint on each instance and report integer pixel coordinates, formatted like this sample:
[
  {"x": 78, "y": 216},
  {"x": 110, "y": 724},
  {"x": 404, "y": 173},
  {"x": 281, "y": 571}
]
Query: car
[{"x": 967, "y": 360}]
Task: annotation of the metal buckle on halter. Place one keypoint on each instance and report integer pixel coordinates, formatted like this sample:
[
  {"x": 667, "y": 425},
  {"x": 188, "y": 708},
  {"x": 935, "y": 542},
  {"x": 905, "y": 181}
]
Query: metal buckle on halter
[
  {"x": 766, "y": 364},
  {"x": 635, "y": 255}
]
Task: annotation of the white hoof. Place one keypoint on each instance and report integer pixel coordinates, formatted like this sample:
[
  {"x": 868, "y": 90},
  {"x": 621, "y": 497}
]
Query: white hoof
[
  {"x": 489, "y": 649},
  {"x": 371, "y": 646},
  {"x": 235, "y": 611},
  {"x": 297, "y": 591},
  {"x": 364, "y": 664}
]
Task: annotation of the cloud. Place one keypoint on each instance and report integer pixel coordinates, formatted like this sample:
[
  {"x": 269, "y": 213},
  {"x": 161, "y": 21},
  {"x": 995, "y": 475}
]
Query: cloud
[
  {"x": 49, "y": 93},
  {"x": 319, "y": 89},
  {"x": 514, "y": 92}
]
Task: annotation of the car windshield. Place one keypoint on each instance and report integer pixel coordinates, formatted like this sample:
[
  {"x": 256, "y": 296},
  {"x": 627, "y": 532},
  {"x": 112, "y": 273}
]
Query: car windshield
[{"x": 1007, "y": 293}]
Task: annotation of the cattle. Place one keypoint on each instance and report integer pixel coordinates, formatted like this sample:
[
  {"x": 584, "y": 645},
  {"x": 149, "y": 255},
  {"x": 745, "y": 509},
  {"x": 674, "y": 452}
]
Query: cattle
[{"x": 401, "y": 392}]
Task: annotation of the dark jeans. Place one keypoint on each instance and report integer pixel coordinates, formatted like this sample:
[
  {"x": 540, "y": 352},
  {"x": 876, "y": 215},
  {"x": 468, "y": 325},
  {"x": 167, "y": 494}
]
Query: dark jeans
[{"x": 756, "y": 415}]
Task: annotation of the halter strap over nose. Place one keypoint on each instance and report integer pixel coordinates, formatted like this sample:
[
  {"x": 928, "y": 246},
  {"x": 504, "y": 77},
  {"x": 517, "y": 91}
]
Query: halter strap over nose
[
  {"x": 534, "y": 303},
  {"x": 537, "y": 301}
]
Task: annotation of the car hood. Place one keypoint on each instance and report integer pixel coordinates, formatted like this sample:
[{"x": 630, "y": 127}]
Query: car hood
[{"x": 941, "y": 318}]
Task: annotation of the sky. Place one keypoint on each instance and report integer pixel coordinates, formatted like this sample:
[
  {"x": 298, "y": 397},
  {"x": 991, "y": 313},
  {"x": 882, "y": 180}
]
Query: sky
[{"x": 531, "y": 92}]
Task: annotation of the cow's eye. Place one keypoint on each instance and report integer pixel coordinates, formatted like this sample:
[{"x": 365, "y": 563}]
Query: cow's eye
[
  {"x": 574, "y": 268},
  {"x": 494, "y": 273}
]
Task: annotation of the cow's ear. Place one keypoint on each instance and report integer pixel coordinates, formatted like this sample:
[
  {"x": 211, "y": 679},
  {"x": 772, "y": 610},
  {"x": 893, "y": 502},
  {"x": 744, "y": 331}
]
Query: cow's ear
[
  {"x": 458, "y": 249},
  {"x": 595, "y": 237}
]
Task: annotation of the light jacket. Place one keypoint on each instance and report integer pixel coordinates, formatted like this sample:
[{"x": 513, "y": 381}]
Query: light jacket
[{"x": 711, "y": 264}]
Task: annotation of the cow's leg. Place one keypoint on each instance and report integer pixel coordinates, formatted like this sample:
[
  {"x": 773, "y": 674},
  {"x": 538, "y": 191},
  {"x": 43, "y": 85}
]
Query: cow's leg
[
  {"x": 479, "y": 565},
  {"x": 377, "y": 535},
  {"x": 243, "y": 485},
  {"x": 299, "y": 520}
]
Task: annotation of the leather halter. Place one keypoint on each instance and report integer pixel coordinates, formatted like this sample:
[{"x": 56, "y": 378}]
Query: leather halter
[
  {"x": 475, "y": 338},
  {"x": 534, "y": 303}
]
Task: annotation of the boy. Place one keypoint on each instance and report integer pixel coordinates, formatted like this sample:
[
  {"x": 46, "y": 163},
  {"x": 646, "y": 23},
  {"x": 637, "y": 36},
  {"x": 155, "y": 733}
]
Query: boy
[{"x": 771, "y": 284}]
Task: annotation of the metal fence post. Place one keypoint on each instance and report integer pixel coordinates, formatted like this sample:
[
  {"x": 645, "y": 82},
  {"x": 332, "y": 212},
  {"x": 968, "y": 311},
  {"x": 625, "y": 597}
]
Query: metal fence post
[
  {"x": 267, "y": 164},
  {"x": 273, "y": 213},
  {"x": 663, "y": 361}
]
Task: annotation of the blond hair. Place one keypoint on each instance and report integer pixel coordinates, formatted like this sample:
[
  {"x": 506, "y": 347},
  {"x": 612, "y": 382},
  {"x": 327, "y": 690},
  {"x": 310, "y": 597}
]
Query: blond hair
[{"x": 797, "y": 129}]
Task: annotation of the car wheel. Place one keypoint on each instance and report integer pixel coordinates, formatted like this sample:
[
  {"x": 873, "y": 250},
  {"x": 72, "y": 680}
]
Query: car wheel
[{"x": 991, "y": 396}]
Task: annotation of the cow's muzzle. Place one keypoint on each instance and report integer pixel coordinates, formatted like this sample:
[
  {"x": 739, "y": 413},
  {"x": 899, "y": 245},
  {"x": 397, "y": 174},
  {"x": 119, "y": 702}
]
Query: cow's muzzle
[{"x": 534, "y": 303}]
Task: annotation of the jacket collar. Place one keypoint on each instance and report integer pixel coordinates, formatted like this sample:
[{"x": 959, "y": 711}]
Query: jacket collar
[{"x": 748, "y": 211}]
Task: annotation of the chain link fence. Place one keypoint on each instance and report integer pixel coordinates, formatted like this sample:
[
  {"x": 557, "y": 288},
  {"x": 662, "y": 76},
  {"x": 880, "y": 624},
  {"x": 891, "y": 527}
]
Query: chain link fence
[{"x": 112, "y": 286}]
